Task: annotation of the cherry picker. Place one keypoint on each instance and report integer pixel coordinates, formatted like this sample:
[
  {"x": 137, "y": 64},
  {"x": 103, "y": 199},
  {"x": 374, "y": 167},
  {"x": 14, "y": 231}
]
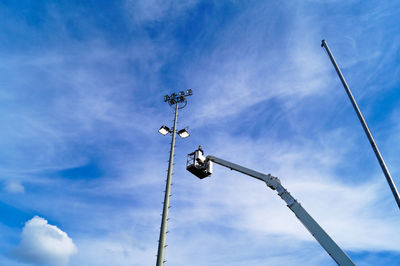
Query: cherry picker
[{"x": 202, "y": 166}]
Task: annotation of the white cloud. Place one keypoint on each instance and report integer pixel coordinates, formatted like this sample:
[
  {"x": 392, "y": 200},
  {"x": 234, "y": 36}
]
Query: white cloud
[
  {"x": 117, "y": 250},
  {"x": 44, "y": 244},
  {"x": 155, "y": 10},
  {"x": 14, "y": 187},
  {"x": 240, "y": 74}
]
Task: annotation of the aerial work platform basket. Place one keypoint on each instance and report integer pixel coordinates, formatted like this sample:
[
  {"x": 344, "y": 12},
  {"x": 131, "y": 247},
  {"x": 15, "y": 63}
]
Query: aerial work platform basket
[{"x": 198, "y": 165}]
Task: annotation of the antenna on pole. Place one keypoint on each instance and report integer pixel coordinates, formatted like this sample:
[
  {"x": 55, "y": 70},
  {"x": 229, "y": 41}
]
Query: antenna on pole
[{"x": 364, "y": 125}]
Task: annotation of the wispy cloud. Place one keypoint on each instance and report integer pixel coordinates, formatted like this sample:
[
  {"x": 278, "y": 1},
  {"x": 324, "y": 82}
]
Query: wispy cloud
[
  {"x": 232, "y": 200},
  {"x": 144, "y": 11},
  {"x": 14, "y": 187}
]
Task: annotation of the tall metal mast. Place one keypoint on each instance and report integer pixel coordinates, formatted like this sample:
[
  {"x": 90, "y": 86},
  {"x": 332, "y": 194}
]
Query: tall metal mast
[
  {"x": 365, "y": 126},
  {"x": 177, "y": 101}
]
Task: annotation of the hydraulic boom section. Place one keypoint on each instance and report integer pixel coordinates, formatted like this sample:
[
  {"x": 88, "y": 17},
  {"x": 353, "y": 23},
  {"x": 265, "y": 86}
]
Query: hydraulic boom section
[{"x": 202, "y": 167}]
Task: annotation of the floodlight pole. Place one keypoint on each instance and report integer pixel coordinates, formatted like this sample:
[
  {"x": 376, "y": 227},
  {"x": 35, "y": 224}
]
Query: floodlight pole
[
  {"x": 173, "y": 100},
  {"x": 167, "y": 195},
  {"x": 365, "y": 126}
]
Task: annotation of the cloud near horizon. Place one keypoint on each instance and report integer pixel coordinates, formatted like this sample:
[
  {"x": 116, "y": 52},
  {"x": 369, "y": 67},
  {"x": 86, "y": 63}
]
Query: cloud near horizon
[{"x": 44, "y": 244}]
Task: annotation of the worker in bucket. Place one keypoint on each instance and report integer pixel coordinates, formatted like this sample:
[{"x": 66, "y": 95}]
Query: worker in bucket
[
  {"x": 198, "y": 155},
  {"x": 200, "y": 149}
]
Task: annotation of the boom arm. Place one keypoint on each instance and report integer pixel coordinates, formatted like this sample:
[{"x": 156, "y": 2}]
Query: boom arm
[{"x": 274, "y": 183}]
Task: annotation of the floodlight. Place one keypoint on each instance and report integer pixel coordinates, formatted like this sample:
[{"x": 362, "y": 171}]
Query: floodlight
[
  {"x": 183, "y": 133},
  {"x": 173, "y": 95},
  {"x": 189, "y": 92},
  {"x": 166, "y": 98},
  {"x": 182, "y": 93},
  {"x": 164, "y": 130}
]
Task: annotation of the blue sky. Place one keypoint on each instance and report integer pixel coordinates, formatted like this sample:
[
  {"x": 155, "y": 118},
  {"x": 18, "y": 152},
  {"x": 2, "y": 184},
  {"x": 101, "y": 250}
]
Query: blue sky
[{"x": 81, "y": 100}]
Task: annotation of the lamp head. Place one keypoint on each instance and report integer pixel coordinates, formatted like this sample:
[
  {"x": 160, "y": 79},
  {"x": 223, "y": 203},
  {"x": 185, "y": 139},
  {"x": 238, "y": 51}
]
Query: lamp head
[
  {"x": 164, "y": 130},
  {"x": 183, "y": 133},
  {"x": 178, "y": 98}
]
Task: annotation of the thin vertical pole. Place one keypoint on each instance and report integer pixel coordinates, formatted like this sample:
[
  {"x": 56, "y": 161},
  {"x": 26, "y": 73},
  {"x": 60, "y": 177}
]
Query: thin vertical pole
[
  {"x": 164, "y": 220},
  {"x": 364, "y": 124}
]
